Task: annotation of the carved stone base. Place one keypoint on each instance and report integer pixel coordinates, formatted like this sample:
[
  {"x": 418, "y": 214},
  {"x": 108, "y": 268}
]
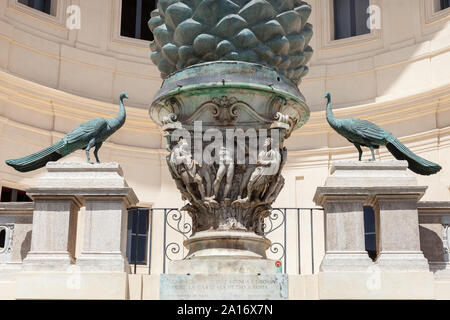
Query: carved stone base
[
  {"x": 346, "y": 261},
  {"x": 223, "y": 265},
  {"x": 224, "y": 287},
  {"x": 101, "y": 261},
  {"x": 242, "y": 244},
  {"x": 53, "y": 261},
  {"x": 404, "y": 261}
]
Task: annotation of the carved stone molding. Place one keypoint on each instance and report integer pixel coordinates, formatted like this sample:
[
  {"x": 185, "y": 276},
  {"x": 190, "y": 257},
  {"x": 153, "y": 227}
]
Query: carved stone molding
[
  {"x": 230, "y": 181},
  {"x": 225, "y": 110},
  {"x": 6, "y": 251},
  {"x": 226, "y": 195},
  {"x": 446, "y": 240}
]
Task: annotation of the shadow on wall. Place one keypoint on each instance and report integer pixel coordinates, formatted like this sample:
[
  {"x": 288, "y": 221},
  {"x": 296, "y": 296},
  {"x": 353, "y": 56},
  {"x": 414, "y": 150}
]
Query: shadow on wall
[
  {"x": 431, "y": 245},
  {"x": 26, "y": 245}
]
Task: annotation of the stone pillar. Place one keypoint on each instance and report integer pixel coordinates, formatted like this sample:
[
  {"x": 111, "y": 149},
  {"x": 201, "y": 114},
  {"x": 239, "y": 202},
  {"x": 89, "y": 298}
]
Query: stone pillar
[
  {"x": 54, "y": 230},
  {"x": 445, "y": 220},
  {"x": 398, "y": 229},
  {"x": 106, "y": 196},
  {"x": 392, "y": 191},
  {"x": 101, "y": 272},
  {"x": 105, "y": 229},
  {"x": 344, "y": 232}
]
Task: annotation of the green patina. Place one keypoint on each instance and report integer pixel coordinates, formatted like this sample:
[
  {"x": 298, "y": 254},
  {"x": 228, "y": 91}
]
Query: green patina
[
  {"x": 367, "y": 134},
  {"x": 211, "y": 90},
  {"x": 273, "y": 33},
  {"x": 86, "y": 136}
]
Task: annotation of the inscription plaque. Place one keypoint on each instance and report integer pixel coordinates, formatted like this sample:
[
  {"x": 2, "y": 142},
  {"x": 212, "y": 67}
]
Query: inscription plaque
[{"x": 223, "y": 287}]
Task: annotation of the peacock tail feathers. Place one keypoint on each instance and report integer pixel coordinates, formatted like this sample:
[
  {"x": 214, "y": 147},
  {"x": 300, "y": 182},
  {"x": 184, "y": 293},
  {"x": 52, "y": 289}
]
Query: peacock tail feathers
[
  {"x": 274, "y": 33},
  {"x": 38, "y": 159},
  {"x": 415, "y": 163}
]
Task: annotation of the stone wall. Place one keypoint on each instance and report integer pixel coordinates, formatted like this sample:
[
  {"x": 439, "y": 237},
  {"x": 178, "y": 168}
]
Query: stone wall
[
  {"x": 18, "y": 219},
  {"x": 434, "y": 220}
]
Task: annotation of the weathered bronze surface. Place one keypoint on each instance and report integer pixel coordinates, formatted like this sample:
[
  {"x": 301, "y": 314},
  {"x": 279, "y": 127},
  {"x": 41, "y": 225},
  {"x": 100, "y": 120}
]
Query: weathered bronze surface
[
  {"x": 228, "y": 195},
  {"x": 230, "y": 65},
  {"x": 365, "y": 133},
  {"x": 86, "y": 136},
  {"x": 274, "y": 33}
]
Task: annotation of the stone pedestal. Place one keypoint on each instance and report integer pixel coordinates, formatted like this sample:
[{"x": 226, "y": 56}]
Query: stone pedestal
[
  {"x": 344, "y": 246},
  {"x": 393, "y": 192},
  {"x": 50, "y": 269},
  {"x": 398, "y": 230},
  {"x": 223, "y": 287},
  {"x": 227, "y": 243},
  {"x": 104, "y": 246},
  {"x": 224, "y": 278},
  {"x": 224, "y": 265},
  {"x": 54, "y": 231}
]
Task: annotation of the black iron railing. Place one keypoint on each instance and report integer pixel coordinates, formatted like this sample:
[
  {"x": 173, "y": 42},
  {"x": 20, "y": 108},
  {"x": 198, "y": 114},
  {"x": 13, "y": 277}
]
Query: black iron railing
[{"x": 178, "y": 223}]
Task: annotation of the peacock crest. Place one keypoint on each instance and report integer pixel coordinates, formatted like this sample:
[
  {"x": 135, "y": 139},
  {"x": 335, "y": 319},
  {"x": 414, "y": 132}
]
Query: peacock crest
[{"x": 273, "y": 33}]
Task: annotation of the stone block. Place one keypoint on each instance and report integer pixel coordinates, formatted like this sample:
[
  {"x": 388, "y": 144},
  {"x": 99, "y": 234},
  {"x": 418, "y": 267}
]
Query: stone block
[
  {"x": 398, "y": 237},
  {"x": 150, "y": 286},
  {"x": 135, "y": 286},
  {"x": 376, "y": 284},
  {"x": 224, "y": 287},
  {"x": 54, "y": 232},
  {"x": 442, "y": 289},
  {"x": 72, "y": 285},
  {"x": 7, "y": 290},
  {"x": 393, "y": 192},
  {"x": 104, "y": 245},
  {"x": 303, "y": 287},
  {"x": 366, "y": 174},
  {"x": 223, "y": 265},
  {"x": 59, "y": 193}
]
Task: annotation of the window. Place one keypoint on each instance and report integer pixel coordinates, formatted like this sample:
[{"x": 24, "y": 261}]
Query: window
[
  {"x": 2, "y": 239},
  {"x": 135, "y": 15},
  {"x": 14, "y": 195},
  {"x": 445, "y": 4},
  {"x": 137, "y": 235},
  {"x": 370, "y": 233},
  {"x": 350, "y": 18},
  {"x": 41, "y": 5}
]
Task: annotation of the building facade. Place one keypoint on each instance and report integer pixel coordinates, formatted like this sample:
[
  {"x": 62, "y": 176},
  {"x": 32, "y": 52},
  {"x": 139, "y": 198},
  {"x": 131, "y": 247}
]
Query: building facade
[{"x": 63, "y": 62}]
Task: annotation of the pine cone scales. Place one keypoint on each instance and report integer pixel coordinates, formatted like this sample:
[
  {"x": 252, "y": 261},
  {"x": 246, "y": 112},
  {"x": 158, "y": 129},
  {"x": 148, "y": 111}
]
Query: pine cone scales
[{"x": 273, "y": 33}]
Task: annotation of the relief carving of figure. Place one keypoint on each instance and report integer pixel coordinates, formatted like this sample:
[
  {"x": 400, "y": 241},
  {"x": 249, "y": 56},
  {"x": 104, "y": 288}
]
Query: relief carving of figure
[
  {"x": 268, "y": 166},
  {"x": 226, "y": 167},
  {"x": 186, "y": 168}
]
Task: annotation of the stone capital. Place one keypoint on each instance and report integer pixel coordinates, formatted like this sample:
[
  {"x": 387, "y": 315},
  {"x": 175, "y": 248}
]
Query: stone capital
[
  {"x": 327, "y": 194},
  {"x": 126, "y": 194},
  {"x": 413, "y": 194},
  {"x": 81, "y": 181}
]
